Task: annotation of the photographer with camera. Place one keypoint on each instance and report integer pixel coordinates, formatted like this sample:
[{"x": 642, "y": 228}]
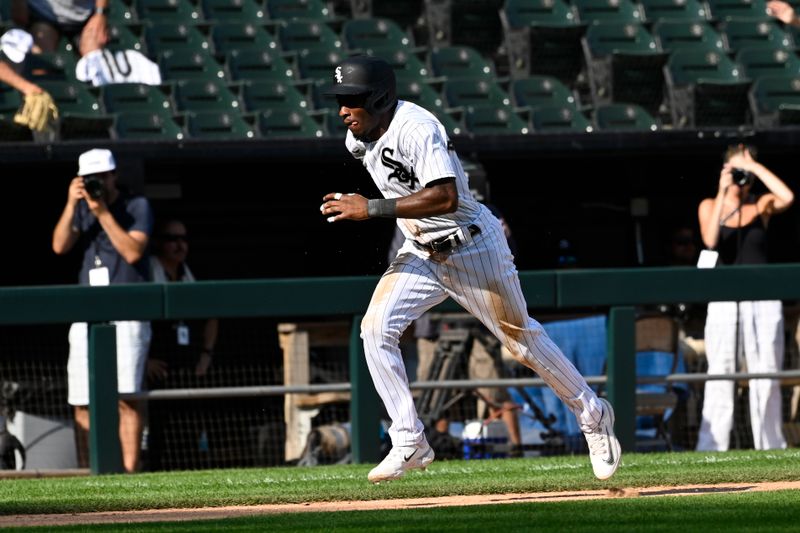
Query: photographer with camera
[
  {"x": 734, "y": 224},
  {"x": 111, "y": 229}
]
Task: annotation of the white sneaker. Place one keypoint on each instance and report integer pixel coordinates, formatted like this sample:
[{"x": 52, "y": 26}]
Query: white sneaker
[
  {"x": 400, "y": 459},
  {"x": 604, "y": 448}
]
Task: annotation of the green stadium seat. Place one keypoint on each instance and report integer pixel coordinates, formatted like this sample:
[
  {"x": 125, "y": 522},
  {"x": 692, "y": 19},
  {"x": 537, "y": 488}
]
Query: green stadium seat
[
  {"x": 405, "y": 63},
  {"x": 292, "y": 123},
  {"x": 309, "y": 10},
  {"x": 298, "y": 35},
  {"x": 163, "y": 37},
  {"x": 617, "y": 117},
  {"x": 10, "y": 100},
  {"x": 559, "y": 119},
  {"x": 535, "y": 91},
  {"x": 318, "y": 65},
  {"x": 121, "y": 13},
  {"x": 51, "y": 66},
  {"x": 80, "y": 114},
  {"x": 475, "y": 93},
  {"x": 147, "y": 126},
  {"x": 674, "y": 10},
  {"x": 620, "y": 11},
  {"x": 523, "y": 13},
  {"x": 72, "y": 97},
  {"x": 759, "y": 62},
  {"x": 163, "y": 11},
  {"x": 775, "y": 101},
  {"x": 610, "y": 37},
  {"x": 625, "y": 65},
  {"x": 722, "y": 10},
  {"x": 263, "y": 95},
  {"x": 751, "y": 34},
  {"x": 178, "y": 64},
  {"x": 473, "y": 23},
  {"x": 258, "y": 65},
  {"x": 120, "y": 97},
  {"x": 421, "y": 93},
  {"x": 460, "y": 62},
  {"x": 229, "y": 36},
  {"x": 360, "y": 34},
  {"x": 679, "y": 35},
  {"x": 204, "y": 95},
  {"x": 233, "y": 11},
  {"x": 494, "y": 121},
  {"x": 686, "y": 67},
  {"x": 409, "y": 14},
  {"x": 218, "y": 125},
  {"x": 298, "y": 10},
  {"x": 706, "y": 88},
  {"x": 543, "y": 37},
  {"x": 121, "y": 37}
]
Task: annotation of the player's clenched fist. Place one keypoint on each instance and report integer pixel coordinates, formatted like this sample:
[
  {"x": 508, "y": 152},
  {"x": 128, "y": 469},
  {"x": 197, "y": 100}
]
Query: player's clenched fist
[{"x": 344, "y": 206}]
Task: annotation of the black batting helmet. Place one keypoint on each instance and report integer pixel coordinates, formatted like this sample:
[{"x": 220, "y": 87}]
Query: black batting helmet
[{"x": 366, "y": 75}]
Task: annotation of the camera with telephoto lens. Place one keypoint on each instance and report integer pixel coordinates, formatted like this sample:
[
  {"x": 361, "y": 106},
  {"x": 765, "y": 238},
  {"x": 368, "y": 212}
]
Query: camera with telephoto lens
[
  {"x": 93, "y": 183},
  {"x": 742, "y": 177}
]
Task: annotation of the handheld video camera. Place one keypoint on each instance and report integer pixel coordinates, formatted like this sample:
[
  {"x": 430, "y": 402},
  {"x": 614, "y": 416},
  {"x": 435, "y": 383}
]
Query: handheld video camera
[
  {"x": 93, "y": 184},
  {"x": 742, "y": 177}
]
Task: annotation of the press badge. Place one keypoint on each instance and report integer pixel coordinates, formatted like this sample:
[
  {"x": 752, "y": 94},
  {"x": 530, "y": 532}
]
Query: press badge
[
  {"x": 98, "y": 276},
  {"x": 183, "y": 334},
  {"x": 708, "y": 259}
]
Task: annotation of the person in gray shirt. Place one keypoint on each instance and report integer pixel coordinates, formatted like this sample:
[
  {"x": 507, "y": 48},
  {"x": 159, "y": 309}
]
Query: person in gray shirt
[{"x": 49, "y": 20}]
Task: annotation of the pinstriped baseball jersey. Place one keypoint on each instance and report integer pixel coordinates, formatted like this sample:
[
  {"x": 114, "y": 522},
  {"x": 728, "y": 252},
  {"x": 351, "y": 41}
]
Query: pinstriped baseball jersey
[
  {"x": 412, "y": 153},
  {"x": 479, "y": 274}
]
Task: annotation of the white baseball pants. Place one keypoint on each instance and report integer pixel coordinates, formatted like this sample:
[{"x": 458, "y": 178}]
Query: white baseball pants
[
  {"x": 480, "y": 276},
  {"x": 761, "y": 340}
]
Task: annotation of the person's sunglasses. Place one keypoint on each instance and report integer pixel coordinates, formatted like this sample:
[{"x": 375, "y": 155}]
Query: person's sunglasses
[
  {"x": 351, "y": 100},
  {"x": 173, "y": 237}
]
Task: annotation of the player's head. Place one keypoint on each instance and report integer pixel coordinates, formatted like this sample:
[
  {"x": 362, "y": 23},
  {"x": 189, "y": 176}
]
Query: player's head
[{"x": 363, "y": 83}]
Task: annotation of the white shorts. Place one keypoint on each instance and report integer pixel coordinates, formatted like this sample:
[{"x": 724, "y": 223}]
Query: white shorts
[{"x": 133, "y": 343}]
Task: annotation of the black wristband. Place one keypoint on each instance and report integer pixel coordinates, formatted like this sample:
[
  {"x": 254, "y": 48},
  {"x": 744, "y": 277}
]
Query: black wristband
[{"x": 386, "y": 208}]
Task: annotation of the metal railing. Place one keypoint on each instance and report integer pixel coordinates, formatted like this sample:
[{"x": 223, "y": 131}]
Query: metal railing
[{"x": 616, "y": 290}]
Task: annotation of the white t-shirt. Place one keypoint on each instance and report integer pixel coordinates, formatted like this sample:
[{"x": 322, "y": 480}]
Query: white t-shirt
[
  {"x": 414, "y": 152},
  {"x": 103, "y": 66}
]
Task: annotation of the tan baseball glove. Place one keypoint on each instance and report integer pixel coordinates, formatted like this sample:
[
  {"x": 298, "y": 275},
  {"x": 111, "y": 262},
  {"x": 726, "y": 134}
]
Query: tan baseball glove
[{"x": 39, "y": 112}]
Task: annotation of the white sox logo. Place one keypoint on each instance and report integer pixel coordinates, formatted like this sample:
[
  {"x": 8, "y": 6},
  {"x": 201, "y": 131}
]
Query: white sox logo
[
  {"x": 398, "y": 170},
  {"x": 338, "y": 75}
]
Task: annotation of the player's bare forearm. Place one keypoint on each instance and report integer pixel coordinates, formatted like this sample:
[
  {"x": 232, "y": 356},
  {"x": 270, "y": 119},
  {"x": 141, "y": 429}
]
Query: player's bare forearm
[
  {"x": 430, "y": 201},
  {"x": 130, "y": 245}
]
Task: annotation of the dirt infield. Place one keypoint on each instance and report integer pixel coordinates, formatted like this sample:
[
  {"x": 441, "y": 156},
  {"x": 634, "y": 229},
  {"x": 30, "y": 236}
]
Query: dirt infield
[{"x": 209, "y": 513}]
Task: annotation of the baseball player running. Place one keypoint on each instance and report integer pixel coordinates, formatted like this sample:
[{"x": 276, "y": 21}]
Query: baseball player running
[{"x": 454, "y": 248}]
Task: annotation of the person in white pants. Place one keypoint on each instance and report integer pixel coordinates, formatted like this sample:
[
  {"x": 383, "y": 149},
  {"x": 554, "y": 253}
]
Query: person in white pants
[
  {"x": 454, "y": 247},
  {"x": 734, "y": 224}
]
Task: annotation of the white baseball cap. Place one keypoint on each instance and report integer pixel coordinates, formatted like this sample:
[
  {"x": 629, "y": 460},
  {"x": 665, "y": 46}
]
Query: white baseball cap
[
  {"x": 95, "y": 161},
  {"x": 16, "y": 43}
]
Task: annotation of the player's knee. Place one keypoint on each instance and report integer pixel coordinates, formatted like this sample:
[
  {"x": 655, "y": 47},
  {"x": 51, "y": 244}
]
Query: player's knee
[{"x": 380, "y": 332}]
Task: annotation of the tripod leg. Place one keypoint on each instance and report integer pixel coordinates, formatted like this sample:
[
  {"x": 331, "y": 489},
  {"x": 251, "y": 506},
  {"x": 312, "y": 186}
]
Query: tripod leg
[{"x": 450, "y": 352}]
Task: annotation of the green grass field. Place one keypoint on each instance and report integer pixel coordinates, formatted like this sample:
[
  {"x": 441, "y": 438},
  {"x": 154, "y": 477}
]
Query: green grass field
[{"x": 778, "y": 511}]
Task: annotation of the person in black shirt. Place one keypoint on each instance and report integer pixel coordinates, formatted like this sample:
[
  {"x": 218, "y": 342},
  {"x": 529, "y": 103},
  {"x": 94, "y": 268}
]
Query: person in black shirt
[{"x": 734, "y": 224}]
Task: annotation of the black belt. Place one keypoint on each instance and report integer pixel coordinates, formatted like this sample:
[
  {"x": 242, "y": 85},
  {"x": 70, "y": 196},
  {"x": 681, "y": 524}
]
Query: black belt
[{"x": 445, "y": 244}]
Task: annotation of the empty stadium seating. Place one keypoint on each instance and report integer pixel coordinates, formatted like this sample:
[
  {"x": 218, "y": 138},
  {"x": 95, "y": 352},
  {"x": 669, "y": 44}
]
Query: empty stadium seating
[
  {"x": 679, "y": 60},
  {"x": 706, "y": 88}
]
